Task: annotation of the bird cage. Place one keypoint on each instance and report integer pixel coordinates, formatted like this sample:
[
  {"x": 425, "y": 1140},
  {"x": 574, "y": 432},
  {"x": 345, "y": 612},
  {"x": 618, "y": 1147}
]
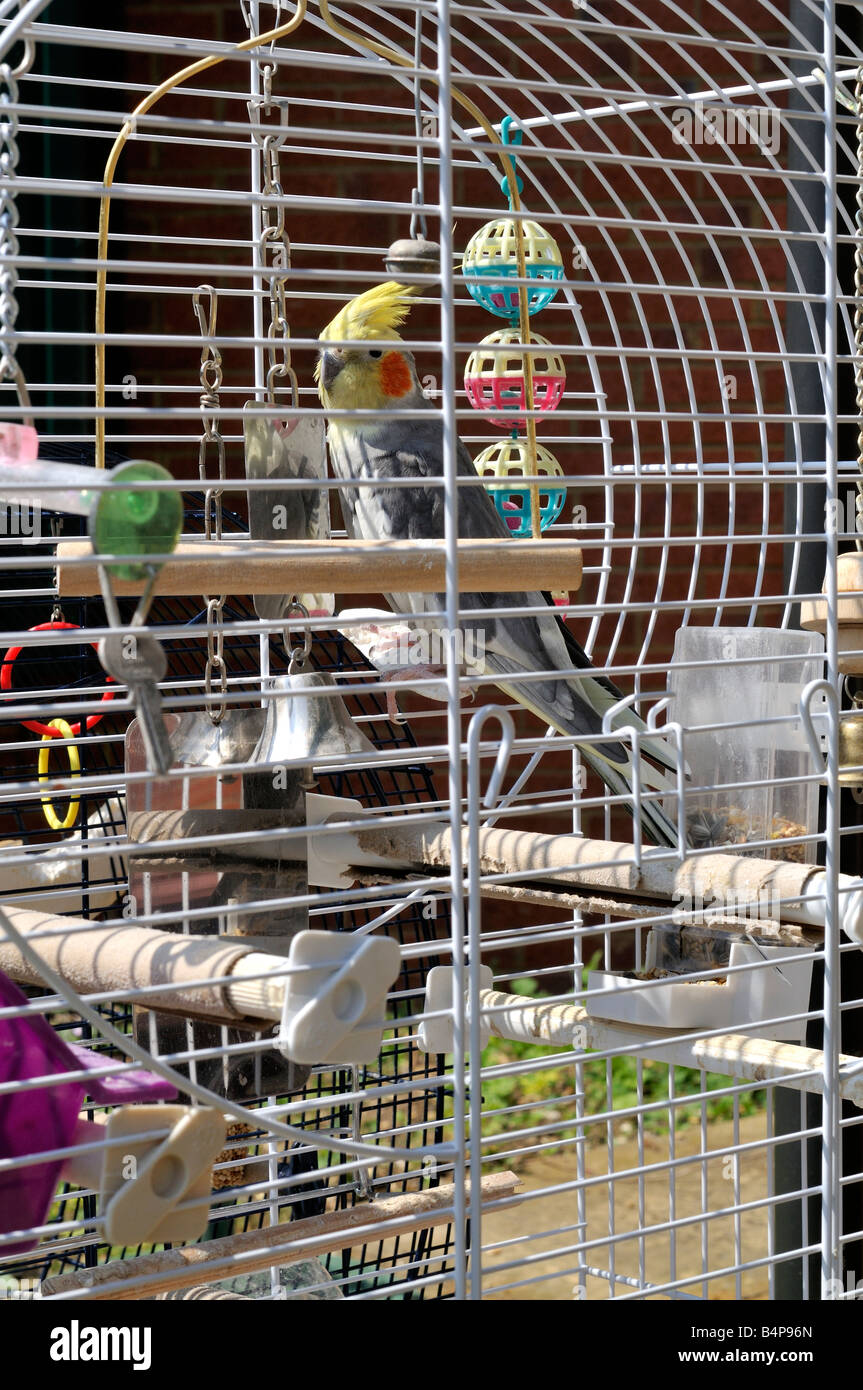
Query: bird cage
[{"x": 430, "y": 859}]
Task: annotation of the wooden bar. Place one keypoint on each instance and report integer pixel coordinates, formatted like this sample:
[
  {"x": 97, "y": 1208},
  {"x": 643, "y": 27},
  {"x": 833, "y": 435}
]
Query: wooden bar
[
  {"x": 204, "y": 1292},
  {"x": 244, "y": 566},
  {"x": 250, "y": 1251},
  {"x": 761, "y": 929}
]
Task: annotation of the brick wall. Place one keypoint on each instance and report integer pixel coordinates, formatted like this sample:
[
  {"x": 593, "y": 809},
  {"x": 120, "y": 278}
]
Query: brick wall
[{"x": 600, "y": 195}]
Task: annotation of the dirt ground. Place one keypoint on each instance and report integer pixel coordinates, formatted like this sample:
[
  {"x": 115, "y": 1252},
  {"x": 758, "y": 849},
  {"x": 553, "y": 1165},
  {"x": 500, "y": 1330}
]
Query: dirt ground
[{"x": 544, "y": 1224}]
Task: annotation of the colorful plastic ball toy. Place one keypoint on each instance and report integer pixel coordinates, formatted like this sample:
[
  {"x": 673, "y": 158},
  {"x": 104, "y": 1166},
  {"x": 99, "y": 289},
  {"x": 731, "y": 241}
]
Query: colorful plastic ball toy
[
  {"x": 510, "y": 459},
  {"x": 494, "y": 377},
  {"x": 490, "y": 260}
]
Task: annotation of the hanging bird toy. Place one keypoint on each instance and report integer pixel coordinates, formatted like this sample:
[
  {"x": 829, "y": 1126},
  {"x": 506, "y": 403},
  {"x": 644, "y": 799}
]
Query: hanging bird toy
[{"x": 501, "y": 376}]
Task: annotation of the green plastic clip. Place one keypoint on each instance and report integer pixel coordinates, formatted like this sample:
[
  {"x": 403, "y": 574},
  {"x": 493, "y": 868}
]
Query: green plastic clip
[{"x": 126, "y": 521}]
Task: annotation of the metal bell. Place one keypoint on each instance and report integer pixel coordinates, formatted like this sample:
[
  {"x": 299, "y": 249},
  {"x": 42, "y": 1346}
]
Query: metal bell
[
  {"x": 237, "y": 797},
  {"x": 412, "y": 256},
  {"x": 303, "y": 724}
]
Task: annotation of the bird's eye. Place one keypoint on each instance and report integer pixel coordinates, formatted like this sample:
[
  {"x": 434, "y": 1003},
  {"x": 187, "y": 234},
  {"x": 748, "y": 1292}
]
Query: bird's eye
[{"x": 375, "y": 352}]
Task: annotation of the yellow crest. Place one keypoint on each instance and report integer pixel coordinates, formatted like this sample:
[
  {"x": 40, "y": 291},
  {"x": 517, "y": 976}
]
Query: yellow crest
[{"x": 377, "y": 313}]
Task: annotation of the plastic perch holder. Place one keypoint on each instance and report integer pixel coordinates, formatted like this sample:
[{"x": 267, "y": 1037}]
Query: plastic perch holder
[
  {"x": 154, "y": 1187},
  {"x": 437, "y": 1030},
  {"x": 775, "y": 984},
  {"x": 850, "y": 899},
  {"x": 333, "y": 995},
  {"x": 849, "y": 612}
]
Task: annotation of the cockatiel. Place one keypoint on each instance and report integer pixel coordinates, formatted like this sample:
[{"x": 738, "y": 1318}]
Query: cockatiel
[{"x": 390, "y": 445}]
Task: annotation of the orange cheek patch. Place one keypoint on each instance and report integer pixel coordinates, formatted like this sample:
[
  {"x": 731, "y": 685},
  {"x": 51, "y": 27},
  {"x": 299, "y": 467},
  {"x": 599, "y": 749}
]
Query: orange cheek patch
[{"x": 395, "y": 375}]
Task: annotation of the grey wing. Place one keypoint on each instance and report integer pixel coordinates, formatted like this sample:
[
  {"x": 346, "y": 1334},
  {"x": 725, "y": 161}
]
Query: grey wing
[
  {"x": 510, "y": 645},
  {"x": 387, "y": 512},
  {"x": 513, "y": 645}
]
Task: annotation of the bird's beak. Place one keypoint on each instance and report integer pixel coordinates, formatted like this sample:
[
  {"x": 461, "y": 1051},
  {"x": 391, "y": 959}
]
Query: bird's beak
[{"x": 331, "y": 365}]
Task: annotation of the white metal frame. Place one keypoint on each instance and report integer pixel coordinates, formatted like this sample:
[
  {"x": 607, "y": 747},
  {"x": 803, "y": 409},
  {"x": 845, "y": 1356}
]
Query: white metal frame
[{"x": 574, "y": 140}]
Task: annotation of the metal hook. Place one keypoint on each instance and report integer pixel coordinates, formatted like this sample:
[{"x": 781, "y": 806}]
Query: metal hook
[
  {"x": 510, "y": 136},
  {"x": 662, "y": 702},
  {"x": 474, "y": 734},
  {"x": 211, "y": 357},
  {"x": 418, "y": 219},
  {"x": 27, "y": 59},
  {"x": 297, "y": 656},
  {"x": 627, "y": 701},
  {"x": 673, "y": 729},
  {"x": 807, "y": 718},
  {"x": 206, "y": 318},
  {"x": 25, "y": 16},
  {"x": 624, "y": 732},
  {"x": 246, "y": 10}
]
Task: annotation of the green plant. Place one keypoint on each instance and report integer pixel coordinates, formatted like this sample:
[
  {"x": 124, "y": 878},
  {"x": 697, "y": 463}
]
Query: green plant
[{"x": 546, "y": 1095}]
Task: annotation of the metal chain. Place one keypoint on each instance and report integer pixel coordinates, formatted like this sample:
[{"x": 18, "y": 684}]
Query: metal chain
[
  {"x": 858, "y": 304},
  {"x": 275, "y": 259},
  {"x": 212, "y": 443},
  {"x": 10, "y": 369},
  {"x": 275, "y": 244},
  {"x": 276, "y": 256},
  {"x": 267, "y": 65},
  {"x": 299, "y": 655}
]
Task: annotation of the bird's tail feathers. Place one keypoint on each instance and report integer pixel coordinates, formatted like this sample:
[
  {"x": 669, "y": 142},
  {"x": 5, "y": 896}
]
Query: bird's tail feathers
[
  {"x": 619, "y": 780},
  {"x": 655, "y": 746}
]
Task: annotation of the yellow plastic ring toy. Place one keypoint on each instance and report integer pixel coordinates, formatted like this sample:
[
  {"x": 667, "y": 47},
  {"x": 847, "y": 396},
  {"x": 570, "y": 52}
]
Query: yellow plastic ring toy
[{"x": 75, "y": 766}]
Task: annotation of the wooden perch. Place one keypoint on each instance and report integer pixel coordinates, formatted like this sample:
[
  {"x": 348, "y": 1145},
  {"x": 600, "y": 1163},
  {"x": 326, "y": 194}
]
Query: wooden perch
[
  {"x": 727, "y": 886},
  {"x": 250, "y": 1251},
  {"x": 597, "y": 904},
  {"x": 776, "y": 888},
  {"x": 96, "y": 959},
  {"x": 244, "y": 566}
]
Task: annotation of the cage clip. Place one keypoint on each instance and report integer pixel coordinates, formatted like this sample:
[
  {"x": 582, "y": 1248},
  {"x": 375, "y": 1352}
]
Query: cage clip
[{"x": 335, "y": 996}]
